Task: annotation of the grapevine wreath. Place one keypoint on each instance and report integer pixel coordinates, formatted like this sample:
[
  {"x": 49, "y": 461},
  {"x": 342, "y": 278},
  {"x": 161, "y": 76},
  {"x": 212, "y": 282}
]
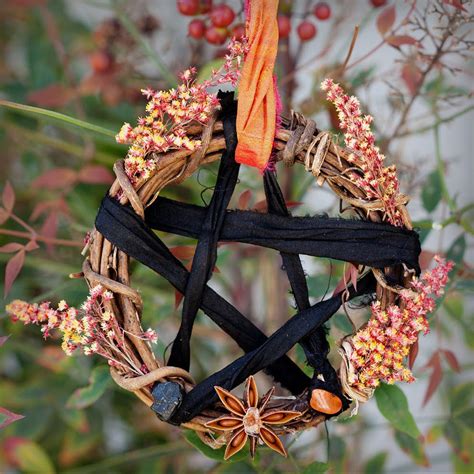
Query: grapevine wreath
[{"x": 188, "y": 127}]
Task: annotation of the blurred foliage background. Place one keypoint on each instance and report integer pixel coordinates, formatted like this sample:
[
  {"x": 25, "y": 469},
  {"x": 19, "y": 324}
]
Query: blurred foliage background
[{"x": 88, "y": 59}]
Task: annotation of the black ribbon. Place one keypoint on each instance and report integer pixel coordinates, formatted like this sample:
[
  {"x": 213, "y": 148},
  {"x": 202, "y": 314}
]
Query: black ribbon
[{"x": 372, "y": 244}]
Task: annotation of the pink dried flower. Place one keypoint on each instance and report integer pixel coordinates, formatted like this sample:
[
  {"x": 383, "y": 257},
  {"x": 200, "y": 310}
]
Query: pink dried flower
[
  {"x": 378, "y": 182},
  {"x": 381, "y": 347},
  {"x": 170, "y": 112},
  {"x": 96, "y": 332}
]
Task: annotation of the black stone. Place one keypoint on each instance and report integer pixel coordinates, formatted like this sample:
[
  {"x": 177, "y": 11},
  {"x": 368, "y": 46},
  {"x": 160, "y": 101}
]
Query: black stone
[{"x": 167, "y": 397}]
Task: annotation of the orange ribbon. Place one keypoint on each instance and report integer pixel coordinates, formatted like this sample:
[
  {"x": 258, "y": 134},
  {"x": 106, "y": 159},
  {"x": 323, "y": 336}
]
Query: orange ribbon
[{"x": 258, "y": 100}]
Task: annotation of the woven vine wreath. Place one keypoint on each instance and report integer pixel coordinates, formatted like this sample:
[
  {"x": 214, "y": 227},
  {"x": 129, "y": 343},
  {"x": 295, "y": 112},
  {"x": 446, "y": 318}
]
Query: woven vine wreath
[
  {"x": 123, "y": 230},
  {"x": 192, "y": 128}
]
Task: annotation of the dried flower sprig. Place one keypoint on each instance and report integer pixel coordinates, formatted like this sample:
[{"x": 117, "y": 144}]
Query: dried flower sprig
[
  {"x": 250, "y": 418},
  {"x": 96, "y": 332},
  {"x": 378, "y": 351},
  {"x": 170, "y": 112},
  {"x": 378, "y": 182}
]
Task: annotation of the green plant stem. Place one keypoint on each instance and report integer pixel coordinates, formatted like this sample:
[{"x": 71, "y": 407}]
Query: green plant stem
[
  {"x": 149, "y": 51},
  {"x": 61, "y": 145},
  {"x": 51, "y": 114},
  {"x": 45, "y": 264},
  {"x": 131, "y": 456},
  {"x": 438, "y": 122},
  {"x": 46, "y": 240},
  {"x": 441, "y": 168}
]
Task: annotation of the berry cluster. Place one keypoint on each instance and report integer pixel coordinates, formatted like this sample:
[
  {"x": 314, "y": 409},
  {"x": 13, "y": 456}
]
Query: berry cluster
[
  {"x": 215, "y": 24},
  {"x": 306, "y": 30}
]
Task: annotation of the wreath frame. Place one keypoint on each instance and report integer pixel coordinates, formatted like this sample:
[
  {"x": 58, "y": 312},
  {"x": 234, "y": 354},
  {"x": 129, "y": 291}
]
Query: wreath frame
[{"x": 297, "y": 141}]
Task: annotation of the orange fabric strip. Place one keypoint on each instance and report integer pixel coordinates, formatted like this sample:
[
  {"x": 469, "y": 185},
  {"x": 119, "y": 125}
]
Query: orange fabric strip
[{"x": 256, "y": 113}]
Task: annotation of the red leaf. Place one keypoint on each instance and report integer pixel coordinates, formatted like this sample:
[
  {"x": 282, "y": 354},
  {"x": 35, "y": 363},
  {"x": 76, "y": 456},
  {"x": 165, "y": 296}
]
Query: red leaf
[
  {"x": 12, "y": 270},
  {"x": 95, "y": 174},
  {"x": 400, "y": 40},
  {"x": 58, "y": 205},
  {"x": 435, "y": 378},
  {"x": 31, "y": 245},
  {"x": 261, "y": 206},
  {"x": 56, "y": 178},
  {"x": 3, "y": 339},
  {"x": 244, "y": 199},
  {"x": 8, "y": 197},
  {"x": 183, "y": 252},
  {"x": 350, "y": 275},
  {"x": 55, "y": 95},
  {"x": 386, "y": 19},
  {"x": 413, "y": 354},
  {"x": 178, "y": 297},
  {"x": 411, "y": 76},
  {"x": 456, "y": 4},
  {"x": 425, "y": 259},
  {"x": 4, "y": 215},
  {"x": 452, "y": 360},
  {"x": 49, "y": 229},
  {"x": 10, "y": 248},
  {"x": 52, "y": 358},
  {"x": 10, "y": 417}
]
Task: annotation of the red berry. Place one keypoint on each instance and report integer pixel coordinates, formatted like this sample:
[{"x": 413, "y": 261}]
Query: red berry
[
  {"x": 378, "y": 3},
  {"x": 101, "y": 62},
  {"x": 205, "y": 6},
  {"x": 196, "y": 29},
  {"x": 322, "y": 11},
  {"x": 238, "y": 31},
  {"x": 306, "y": 30},
  {"x": 284, "y": 26},
  {"x": 216, "y": 36},
  {"x": 222, "y": 15},
  {"x": 188, "y": 7}
]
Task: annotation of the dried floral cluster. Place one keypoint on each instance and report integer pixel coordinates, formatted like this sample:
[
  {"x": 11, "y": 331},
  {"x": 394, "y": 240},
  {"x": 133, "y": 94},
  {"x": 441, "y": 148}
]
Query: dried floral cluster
[
  {"x": 380, "y": 348},
  {"x": 378, "y": 182},
  {"x": 170, "y": 112},
  {"x": 96, "y": 332}
]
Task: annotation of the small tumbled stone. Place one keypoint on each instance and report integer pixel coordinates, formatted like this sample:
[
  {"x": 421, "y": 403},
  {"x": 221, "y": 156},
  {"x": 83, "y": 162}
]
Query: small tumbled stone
[{"x": 167, "y": 397}]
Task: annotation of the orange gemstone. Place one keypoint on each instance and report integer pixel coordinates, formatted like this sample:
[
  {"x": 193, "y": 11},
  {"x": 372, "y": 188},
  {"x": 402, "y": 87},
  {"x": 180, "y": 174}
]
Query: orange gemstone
[{"x": 325, "y": 402}]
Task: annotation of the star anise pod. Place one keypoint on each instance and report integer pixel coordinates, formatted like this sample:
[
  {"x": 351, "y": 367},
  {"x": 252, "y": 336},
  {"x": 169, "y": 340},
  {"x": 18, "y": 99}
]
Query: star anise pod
[{"x": 250, "y": 418}]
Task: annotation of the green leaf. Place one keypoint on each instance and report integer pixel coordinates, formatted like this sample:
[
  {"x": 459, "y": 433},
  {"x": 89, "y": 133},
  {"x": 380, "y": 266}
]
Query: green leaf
[
  {"x": 454, "y": 305},
  {"x": 461, "y": 398},
  {"x": 423, "y": 227},
  {"x": 457, "y": 250},
  {"x": 393, "y": 405},
  {"x": 215, "y": 454},
  {"x": 463, "y": 459},
  {"x": 51, "y": 114},
  {"x": 316, "y": 468},
  {"x": 32, "y": 458},
  {"x": 454, "y": 433},
  {"x": 240, "y": 467},
  {"x": 432, "y": 191},
  {"x": 413, "y": 448},
  {"x": 86, "y": 396},
  {"x": 376, "y": 464},
  {"x": 466, "y": 418}
]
